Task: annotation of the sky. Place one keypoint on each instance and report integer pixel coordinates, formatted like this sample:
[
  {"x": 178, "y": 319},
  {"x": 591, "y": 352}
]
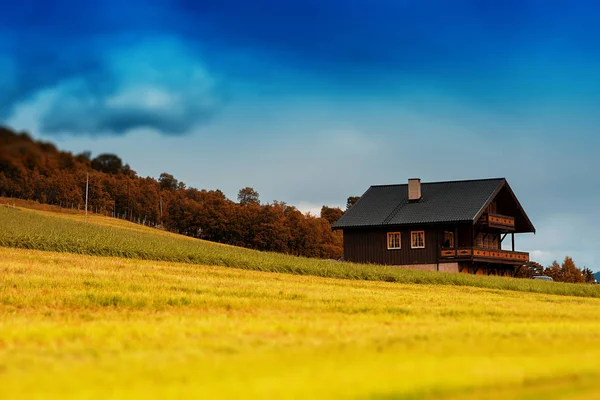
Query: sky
[{"x": 312, "y": 101}]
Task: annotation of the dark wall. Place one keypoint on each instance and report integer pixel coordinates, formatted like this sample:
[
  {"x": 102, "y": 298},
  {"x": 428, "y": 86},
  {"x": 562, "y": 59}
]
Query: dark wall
[
  {"x": 370, "y": 245},
  {"x": 465, "y": 235}
]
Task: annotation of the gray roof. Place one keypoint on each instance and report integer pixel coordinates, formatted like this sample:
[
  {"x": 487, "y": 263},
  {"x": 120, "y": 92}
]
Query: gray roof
[{"x": 441, "y": 202}]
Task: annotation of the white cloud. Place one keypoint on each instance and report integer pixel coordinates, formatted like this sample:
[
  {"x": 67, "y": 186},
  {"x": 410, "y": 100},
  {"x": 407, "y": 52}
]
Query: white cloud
[
  {"x": 313, "y": 208},
  {"x": 159, "y": 84},
  {"x": 542, "y": 257},
  {"x": 307, "y": 207},
  {"x": 143, "y": 96}
]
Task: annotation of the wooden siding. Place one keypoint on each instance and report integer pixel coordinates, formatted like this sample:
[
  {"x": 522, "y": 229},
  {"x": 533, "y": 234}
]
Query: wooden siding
[
  {"x": 370, "y": 246},
  {"x": 497, "y": 221},
  {"x": 465, "y": 235}
]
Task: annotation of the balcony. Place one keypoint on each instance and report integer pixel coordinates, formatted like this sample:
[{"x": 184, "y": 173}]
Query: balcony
[
  {"x": 497, "y": 221},
  {"x": 484, "y": 255}
]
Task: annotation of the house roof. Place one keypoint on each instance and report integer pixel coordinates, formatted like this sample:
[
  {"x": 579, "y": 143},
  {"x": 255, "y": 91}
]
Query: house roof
[{"x": 441, "y": 202}]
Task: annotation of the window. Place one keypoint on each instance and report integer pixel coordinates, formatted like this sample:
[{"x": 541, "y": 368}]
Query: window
[
  {"x": 488, "y": 241},
  {"x": 448, "y": 239},
  {"x": 394, "y": 240},
  {"x": 417, "y": 240}
]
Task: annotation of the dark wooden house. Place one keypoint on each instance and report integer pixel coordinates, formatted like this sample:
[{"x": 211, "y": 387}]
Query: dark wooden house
[{"x": 457, "y": 226}]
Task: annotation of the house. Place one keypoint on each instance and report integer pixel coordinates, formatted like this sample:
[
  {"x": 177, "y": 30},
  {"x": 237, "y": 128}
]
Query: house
[{"x": 458, "y": 226}]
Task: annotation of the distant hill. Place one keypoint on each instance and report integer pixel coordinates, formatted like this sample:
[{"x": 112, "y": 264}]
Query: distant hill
[{"x": 597, "y": 276}]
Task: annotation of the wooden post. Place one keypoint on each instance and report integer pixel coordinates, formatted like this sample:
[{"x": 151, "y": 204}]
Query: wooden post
[
  {"x": 455, "y": 238},
  {"x": 161, "y": 209},
  {"x": 513, "y": 241}
]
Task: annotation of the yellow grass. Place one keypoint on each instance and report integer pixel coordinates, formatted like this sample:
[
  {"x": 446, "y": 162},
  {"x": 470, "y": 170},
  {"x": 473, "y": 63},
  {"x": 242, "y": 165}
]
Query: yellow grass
[
  {"x": 74, "y": 326},
  {"x": 104, "y": 236}
]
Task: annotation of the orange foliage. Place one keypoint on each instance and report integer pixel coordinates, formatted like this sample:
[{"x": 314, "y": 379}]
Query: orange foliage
[{"x": 40, "y": 174}]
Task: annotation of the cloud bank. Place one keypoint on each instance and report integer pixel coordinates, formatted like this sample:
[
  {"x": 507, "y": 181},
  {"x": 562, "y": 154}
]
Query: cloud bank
[
  {"x": 160, "y": 85},
  {"x": 112, "y": 66}
]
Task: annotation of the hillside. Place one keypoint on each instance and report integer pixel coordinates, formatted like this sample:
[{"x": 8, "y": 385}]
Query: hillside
[
  {"x": 597, "y": 276},
  {"x": 115, "y": 309},
  {"x": 38, "y": 171},
  {"x": 105, "y": 236},
  {"x": 75, "y": 326}
]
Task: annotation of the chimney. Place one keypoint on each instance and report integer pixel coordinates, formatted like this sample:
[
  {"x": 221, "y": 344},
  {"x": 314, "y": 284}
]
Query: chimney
[{"x": 414, "y": 189}]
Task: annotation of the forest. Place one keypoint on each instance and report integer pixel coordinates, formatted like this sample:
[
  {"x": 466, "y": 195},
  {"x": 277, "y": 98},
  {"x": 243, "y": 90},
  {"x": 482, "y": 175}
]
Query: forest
[
  {"x": 38, "y": 171},
  {"x": 565, "y": 272}
]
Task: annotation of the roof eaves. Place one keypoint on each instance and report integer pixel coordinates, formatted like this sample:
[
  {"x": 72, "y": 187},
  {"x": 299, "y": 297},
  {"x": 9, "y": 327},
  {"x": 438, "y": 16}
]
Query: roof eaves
[
  {"x": 520, "y": 207},
  {"x": 448, "y": 221},
  {"x": 443, "y": 182},
  {"x": 335, "y": 225}
]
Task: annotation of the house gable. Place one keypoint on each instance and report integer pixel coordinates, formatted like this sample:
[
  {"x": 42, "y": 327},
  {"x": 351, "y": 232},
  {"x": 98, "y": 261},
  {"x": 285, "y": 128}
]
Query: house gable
[{"x": 505, "y": 202}]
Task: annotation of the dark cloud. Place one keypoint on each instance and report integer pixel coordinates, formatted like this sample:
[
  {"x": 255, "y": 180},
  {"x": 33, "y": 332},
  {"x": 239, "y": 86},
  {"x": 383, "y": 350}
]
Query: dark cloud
[
  {"x": 102, "y": 69},
  {"x": 62, "y": 49},
  {"x": 159, "y": 84}
]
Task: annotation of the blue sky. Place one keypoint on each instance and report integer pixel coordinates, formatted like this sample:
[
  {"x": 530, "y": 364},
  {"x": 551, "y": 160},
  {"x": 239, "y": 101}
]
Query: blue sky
[{"x": 310, "y": 102}]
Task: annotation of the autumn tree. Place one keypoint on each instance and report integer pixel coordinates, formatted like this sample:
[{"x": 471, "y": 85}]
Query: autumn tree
[
  {"x": 570, "y": 273},
  {"x": 351, "y": 201},
  {"x": 554, "y": 271},
  {"x": 529, "y": 270},
  {"x": 168, "y": 182},
  {"x": 108, "y": 163},
  {"x": 567, "y": 272},
  {"x": 248, "y": 196},
  {"x": 331, "y": 214},
  {"x": 84, "y": 156},
  {"x": 588, "y": 275}
]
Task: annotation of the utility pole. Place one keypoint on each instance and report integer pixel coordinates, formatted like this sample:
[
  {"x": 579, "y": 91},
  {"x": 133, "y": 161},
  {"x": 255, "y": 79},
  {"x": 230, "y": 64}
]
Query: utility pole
[
  {"x": 128, "y": 211},
  {"x": 161, "y": 210},
  {"x": 87, "y": 185}
]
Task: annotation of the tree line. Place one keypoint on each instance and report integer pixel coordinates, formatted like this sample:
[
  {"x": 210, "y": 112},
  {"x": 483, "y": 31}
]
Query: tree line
[
  {"x": 565, "y": 272},
  {"x": 35, "y": 170}
]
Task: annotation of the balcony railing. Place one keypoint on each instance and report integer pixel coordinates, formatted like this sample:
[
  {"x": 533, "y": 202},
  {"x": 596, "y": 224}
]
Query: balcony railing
[
  {"x": 497, "y": 221},
  {"x": 486, "y": 255}
]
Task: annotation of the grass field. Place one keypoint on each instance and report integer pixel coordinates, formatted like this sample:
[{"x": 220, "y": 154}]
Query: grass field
[
  {"x": 157, "y": 322},
  {"x": 76, "y": 326},
  {"x": 105, "y": 236}
]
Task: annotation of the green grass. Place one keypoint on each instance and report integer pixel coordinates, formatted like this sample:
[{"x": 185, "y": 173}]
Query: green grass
[
  {"x": 104, "y": 236},
  {"x": 76, "y": 326}
]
